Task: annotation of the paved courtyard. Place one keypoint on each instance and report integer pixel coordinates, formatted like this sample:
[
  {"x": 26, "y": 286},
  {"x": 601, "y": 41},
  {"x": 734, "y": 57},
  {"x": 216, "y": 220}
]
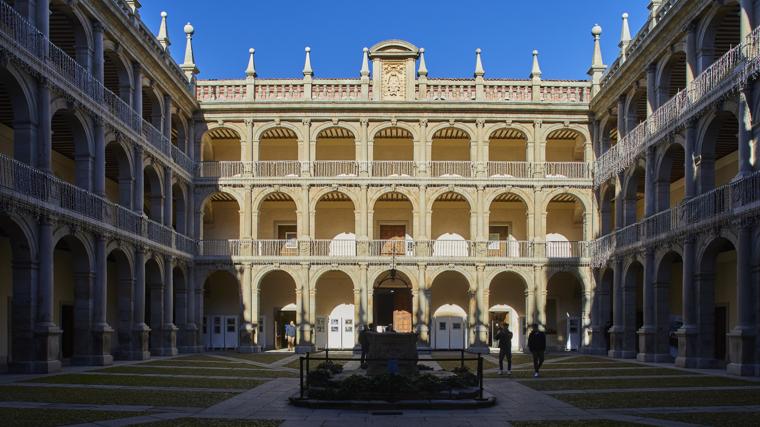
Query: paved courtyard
[{"x": 230, "y": 389}]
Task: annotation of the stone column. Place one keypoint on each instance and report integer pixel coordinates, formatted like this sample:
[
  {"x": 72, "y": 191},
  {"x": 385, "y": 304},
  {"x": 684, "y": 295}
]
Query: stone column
[
  {"x": 617, "y": 331},
  {"x": 364, "y": 317},
  {"x": 741, "y": 340},
  {"x": 168, "y": 196},
  {"x": 141, "y": 331},
  {"x": 139, "y": 192},
  {"x": 101, "y": 331},
  {"x": 247, "y": 330},
  {"x": 648, "y": 332},
  {"x": 423, "y": 327},
  {"x": 44, "y": 134},
  {"x": 481, "y": 312},
  {"x": 46, "y": 334},
  {"x": 651, "y": 88},
  {"x": 137, "y": 95},
  {"x": 687, "y": 335},
  {"x": 357, "y": 316},
  {"x": 169, "y": 330},
  {"x": 303, "y": 312},
  {"x": 745, "y": 132},
  {"x": 362, "y": 146}
]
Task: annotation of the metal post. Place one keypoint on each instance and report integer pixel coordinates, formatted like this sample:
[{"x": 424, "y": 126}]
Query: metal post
[
  {"x": 461, "y": 359},
  {"x": 301, "y": 375},
  {"x": 480, "y": 376}
]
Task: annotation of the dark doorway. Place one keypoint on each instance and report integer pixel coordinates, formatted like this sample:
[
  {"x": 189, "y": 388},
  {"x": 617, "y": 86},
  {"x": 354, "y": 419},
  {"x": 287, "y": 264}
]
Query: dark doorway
[
  {"x": 282, "y": 318},
  {"x": 721, "y": 329},
  {"x": 67, "y": 324},
  {"x": 393, "y": 307}
]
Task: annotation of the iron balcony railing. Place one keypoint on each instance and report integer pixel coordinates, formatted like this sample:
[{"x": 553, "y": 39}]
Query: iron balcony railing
[
  {"x": 723, "y": 203},
  {"x": 350, "y": 249},
  {"x": 728, "y": 73},
  {"x": 18, "y": 35},
  {"x": 390, "y": 169},
  {"x": 25, "y": 183}
]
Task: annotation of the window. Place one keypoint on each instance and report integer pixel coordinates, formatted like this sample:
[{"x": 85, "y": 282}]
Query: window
[{"x": 231, "y": 324}]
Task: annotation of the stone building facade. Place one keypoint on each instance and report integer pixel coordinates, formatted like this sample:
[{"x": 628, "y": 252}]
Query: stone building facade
[{"x": 153, "y": 213}]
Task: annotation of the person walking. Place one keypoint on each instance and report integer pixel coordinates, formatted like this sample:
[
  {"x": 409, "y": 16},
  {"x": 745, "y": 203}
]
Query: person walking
[
  {"x": 504, "y": 336},
  {"x": 537, "y": 347},
  {"x": 364, "y": 344},
  {"x": 290, "y": 334}
]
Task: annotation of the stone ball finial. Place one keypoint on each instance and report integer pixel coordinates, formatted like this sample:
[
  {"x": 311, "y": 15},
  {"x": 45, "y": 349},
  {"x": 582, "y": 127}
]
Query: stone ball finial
[
  {"x": 164, "y": 14},
  {"x": 307, "y": 49},
  {"x": 189, "y": 30},
  {"x": 251, "y": 50},
  {"x": 535, "y": 52},
  {"x": 477, "y": 50},
  {"x": 596, "y": 31},
  {"x": 422, "y": 50},
  {"x": 366, "y": 49},
  {"x": 625, "y": 15}
]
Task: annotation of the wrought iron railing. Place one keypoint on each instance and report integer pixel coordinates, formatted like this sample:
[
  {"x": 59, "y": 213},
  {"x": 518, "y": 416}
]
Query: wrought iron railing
[
  {"x": 723, "y": 203},
  {"x": 49, "y": 192},
  {"x": 509, "y": 169},
  {"x": 17, "y": 34},
  {"x": 728, "y": 73}
]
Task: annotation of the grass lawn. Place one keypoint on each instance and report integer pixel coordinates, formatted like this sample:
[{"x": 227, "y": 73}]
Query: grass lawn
[
  {"x": 581, "y": 373},
  {"x": 100, "y": 379},
  {"x": 573, "y": 423},
  {"x": 197, "y": 364},
  {"x": 472, "y": 365},
  {"x": 197, "y": 357},
  {"x": 661, "y": 399},
  {"x": 260, "y": 373},
  {"x": 202, "y": 422},
  {"x": 258, "y": 357},
  {"x": 57, "y": 417},
  {"x": 733, "y": 419},
  {"x": 11, "y": 393},
  {"x": 592, "y": 384}
]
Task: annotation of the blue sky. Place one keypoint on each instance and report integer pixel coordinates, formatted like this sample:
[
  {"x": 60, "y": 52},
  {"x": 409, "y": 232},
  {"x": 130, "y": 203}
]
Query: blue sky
[{"x": 449, "y": 30}]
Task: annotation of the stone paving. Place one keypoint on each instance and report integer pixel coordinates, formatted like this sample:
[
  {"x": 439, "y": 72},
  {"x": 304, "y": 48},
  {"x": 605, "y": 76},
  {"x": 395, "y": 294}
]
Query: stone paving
[{"x": 516, "y": 400}]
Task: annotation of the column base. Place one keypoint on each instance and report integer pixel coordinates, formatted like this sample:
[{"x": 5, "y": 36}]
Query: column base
[
  {"x": 33, "y": 367},
  {"x": 250, "y": 349},
  {"x": 101, "y": 346},
  {"x": 187, "y": 337},
  {"x": 424, "y": 349},
  {"x": 47, "y": 343},
  {"x": 168, "y": 339},
  {"x": 688, "y": 355},
  {"x": 479, "y": 349},
  {"x": 647, "y": 344},
  {"x": 92, "y": 360},
  {"x": 305, "y": 348},
  {"x": 621, "y": 354},
  {"x": 618, "y": 350},
  {"x": 593, "y": 351},
  {"x": 140, "y": 343},
  {"x": 741, "y": 352}
]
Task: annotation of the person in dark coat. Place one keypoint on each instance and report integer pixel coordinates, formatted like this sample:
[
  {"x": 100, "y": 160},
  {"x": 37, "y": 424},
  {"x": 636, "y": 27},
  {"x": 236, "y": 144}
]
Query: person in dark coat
[
  {"x": 537, "y": 347},
  {"x": 504, "y": 336},
  {"x": 364, "y": 344}
]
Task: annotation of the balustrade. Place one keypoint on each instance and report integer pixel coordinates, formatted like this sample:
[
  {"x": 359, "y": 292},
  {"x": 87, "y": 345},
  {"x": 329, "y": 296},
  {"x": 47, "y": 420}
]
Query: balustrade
[
  {"x": 325, "y": 168},
  {"x": 575, "y": 170},
  {"x": 32, "y": 186},
  {"x": 509, "y": 249},
  {"x": 393, "y": 247},
  {"x": 730, "y": 71},
  {"x": 721, "y": 204},
  {"x": 19, "y": 36},
  {"x": 451, "y": 168},
  {"x": 509, "y": 169}
]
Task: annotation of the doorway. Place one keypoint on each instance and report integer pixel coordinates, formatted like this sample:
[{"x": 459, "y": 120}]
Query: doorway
[
  {"x": 282, "y": 317},
  {"x": 67, "y": 325},
  {"x": 449, "y": 333},
  {"x": 393, "y": 307},
  {"x": 394, "y": 236}
]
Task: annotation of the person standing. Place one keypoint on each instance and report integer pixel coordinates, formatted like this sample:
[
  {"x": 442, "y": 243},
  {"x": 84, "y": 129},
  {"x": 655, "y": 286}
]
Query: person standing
[
  {"x": 364, "y": 344},
  {"x": 290, "y": 334},
  {"x": 504, "y": 336},
  {"x": 537, "y": 347}
]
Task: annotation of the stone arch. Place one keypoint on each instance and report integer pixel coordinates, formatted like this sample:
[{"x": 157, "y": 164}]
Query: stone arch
[
  {"x": 514, "y": 145},
  {"x": 579, "y": 196},
  {"x": 671, "y": 73},
  {"x": 119, "y": 292},
  {"x": 202, "y": 196},
  {"x": 579, "y": 130},
  {"x": 322, "y": 270},
  {"x": 717, "y": 139},
  {"x": 119, "y": 170},
  {"x": 216, "y": 225},
  {"x": 153, "y": 106},
  {"x": 633, "y": 186},
  {"x": 117, "y": 71},
  {"x": 721, "y": 19},
  {"x": 434, "y": 129},
  {"x": 293, "y": 193},
  {"x": 433, "y": 273},
  {"x": 220, "y": 132},
  {"x": 414, "y": 132},
  {"x": 410, "y": 273},
  {"x": 525, "y": 131},
  {"x": 72, "y": 139},
  {"x": 517, "y": 192},
  {"x": 606, "y": 205},
  {"x": 16, "y": 95},
  {"x": 345, "y": 191},
  {"x": 460, "y": 191},
  {"x": 180, "y": 208},
  {"x": 526, "y": 279},
  {"x": 259, "y": 133},
  {"x": 153, "y": 191},
  {"x": 83, "y": 239},
  {"x": 635, "y": 107},
  {"x": 317, "y": 130},
  {"x": 404, "y": 191},
  {"x": 71, "y": 20}
]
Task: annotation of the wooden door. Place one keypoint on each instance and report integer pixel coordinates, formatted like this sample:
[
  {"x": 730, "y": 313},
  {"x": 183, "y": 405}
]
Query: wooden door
[{"x": 397, "y": 235}]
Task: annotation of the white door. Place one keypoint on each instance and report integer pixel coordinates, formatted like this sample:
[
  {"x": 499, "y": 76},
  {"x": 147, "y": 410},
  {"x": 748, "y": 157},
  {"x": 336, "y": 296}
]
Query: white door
[
  {"x": 340, "y": 327},
  {"x": 449, "y": 333},
  {"x": 261, "y": 331},
  {"x": 206, "y": 335},
  {"x": 231, "y": 332},
  {"x": 217, "y": 335},
  {"x": 321, "y": 331},
  {"x": 573, "y": 333}
]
